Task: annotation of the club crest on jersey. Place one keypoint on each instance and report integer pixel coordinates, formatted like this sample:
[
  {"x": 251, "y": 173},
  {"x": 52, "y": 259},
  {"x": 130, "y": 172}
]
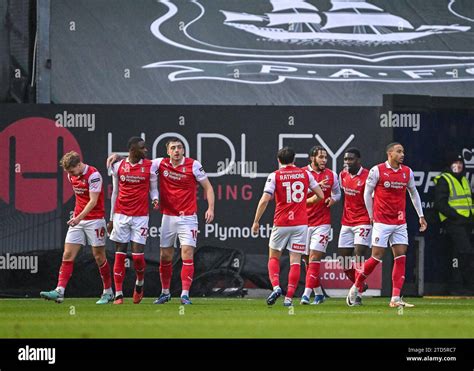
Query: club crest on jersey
[
  {"x": 184, "y": 170},
  {"x": 404, "y": 176},
  {"x": 359, "y": 183},
  {"x": 143, "y": 169}
]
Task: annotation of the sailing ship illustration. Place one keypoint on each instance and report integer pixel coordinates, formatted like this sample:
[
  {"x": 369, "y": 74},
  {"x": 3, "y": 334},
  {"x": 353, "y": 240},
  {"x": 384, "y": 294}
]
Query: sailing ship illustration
[{"x": 346, "y": 21}]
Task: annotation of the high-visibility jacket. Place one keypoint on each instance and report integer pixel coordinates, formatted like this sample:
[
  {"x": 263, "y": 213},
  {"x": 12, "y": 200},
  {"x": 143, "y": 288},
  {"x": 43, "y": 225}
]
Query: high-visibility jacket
[{"x": 460, "y": 196}]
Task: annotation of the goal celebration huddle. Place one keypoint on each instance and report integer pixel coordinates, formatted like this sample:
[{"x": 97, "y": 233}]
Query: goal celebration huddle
[{"x": 373, "y": 219}]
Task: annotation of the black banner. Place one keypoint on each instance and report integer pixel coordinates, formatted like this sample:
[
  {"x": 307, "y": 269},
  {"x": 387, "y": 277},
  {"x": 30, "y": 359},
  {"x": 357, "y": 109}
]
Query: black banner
[{"x": 267, "y": 52}]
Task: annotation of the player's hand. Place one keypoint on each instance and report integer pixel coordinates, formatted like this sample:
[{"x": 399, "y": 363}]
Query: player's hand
[
  {"x": 312, "y": 200},
  {"x": 74, "y": 221},
  {"x": 156, "y": 204},
  {"x": 423, "y": 224},
  {"x": 111, "y": 159},
  {"x": 329, "y": 202},
  {"x": 255, "y": 227},
  {"x": 323, "y": 182},
  {"x": 209, "y": 216},
  {"x": 110, "y": 226}
]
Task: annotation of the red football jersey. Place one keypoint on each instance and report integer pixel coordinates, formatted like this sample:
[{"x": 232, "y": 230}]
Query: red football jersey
[
  {"x": 134, "y": 187},
  {"x": 354, "y": 211},
  {"x": 178, "y": 186},
  {"x": 290, "y": 186},
  {"x": 89, "y": 181},
  {"x": 390, "y": 192},
  {"x": 319, "y": 213}
]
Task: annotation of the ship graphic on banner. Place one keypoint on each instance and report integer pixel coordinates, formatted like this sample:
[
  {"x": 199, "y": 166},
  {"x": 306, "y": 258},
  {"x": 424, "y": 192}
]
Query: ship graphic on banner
[
  {"x": 346, "y": 21},
  {"x": 271, "y": 41}
]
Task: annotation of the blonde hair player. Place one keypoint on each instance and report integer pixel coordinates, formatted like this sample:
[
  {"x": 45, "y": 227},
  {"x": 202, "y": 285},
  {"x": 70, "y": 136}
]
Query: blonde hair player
[{"x": 87, "y": 226}]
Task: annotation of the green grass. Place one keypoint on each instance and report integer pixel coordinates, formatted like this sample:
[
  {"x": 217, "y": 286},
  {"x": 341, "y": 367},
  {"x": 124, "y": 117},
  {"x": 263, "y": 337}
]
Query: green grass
[{"x": 235, "y": 318}]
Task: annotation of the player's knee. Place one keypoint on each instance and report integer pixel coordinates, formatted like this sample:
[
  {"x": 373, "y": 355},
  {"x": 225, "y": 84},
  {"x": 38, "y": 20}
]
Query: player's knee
[
  {"x": 68, "y": 256},
  {"x": 360, "y": 250},
  {"x": 120, "y": 247},
  {"x": 187, "y": 254},
  {"x": 166, "y": 254},
  {"x": 378, "y": 254},
  {"x": 315, "y": 256},
  {"x": 99, "y": 256}
]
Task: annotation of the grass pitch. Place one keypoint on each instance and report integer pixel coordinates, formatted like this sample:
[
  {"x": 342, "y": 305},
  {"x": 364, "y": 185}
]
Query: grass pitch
[{"x": 235, "y": 318}]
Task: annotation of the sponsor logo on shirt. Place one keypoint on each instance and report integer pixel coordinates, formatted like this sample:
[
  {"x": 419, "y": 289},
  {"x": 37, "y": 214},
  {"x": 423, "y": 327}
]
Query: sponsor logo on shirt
[
  {"x": 132, "y": 178},
  {"x": 395, "y": 185},
  {"x": 351, "y": 192},
  {"x": 173, "y": 175}
]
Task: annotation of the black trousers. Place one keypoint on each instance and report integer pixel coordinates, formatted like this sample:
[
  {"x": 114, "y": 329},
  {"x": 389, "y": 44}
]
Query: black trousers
[{"x": 462, "y": 252}]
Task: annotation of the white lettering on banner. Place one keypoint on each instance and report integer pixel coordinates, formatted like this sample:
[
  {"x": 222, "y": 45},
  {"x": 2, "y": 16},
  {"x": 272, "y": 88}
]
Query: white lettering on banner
[
  {"x": 109, "y": 145},
  {"x": 425, "y": 179},
  {"x": 227, "y": 141},
  {"x": 224, "y": 233},
  {"x": 231, "y": 163},
  {"x": 331, "y": 154},
  {"x": 169, "y": 135},
  {"x": 267, "y": 68}
]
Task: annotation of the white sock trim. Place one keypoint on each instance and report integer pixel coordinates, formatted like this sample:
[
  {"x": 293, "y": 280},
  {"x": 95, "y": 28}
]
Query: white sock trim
[{"x": 399, "y": 257}]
